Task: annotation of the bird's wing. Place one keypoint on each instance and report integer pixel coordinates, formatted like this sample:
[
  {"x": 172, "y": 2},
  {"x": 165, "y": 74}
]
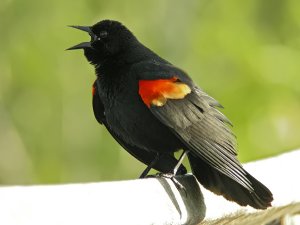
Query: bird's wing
[
  {"x": 192, "y": 115},
  {"x": 165, "y": 163}
]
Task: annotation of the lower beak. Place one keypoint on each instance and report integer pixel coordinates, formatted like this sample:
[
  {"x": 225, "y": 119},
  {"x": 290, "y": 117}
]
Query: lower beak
[{"x": 82, "y": 45}]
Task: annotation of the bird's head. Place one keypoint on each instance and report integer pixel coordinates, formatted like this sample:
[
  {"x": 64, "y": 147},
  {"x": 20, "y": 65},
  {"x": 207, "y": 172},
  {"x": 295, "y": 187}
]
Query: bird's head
[{"x": 108, "y": 38}]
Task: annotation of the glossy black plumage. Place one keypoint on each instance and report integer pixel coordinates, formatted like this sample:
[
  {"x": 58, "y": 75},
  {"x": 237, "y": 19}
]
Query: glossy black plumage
[
  {"x": 165, "y": 163},
  {"x": 192, "y": 122}
]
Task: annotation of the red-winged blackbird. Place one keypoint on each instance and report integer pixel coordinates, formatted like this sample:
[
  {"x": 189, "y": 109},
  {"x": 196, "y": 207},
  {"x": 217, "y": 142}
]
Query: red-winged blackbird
[{"x": 154, "y": 109}]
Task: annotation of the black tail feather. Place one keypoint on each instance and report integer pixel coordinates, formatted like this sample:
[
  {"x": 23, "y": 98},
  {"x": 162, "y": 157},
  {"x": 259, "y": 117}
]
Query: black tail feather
[{"x": 221, "y": 184}]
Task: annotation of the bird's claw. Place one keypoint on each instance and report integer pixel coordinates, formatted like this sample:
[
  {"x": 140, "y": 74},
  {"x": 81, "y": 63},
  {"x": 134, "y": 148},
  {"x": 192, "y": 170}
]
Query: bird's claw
[{"x": 173, "y": 179}]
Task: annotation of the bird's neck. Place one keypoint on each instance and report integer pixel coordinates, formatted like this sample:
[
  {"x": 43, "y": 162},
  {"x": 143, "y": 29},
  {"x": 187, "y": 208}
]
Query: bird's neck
[{"x": 133, "y": 54}]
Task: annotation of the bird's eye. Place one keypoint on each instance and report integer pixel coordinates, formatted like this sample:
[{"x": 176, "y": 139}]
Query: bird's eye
[{"x": 103, "y": 34}]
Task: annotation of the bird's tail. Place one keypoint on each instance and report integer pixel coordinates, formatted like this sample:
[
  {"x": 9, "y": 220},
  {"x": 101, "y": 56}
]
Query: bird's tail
[{"x": 260, "y": 197}]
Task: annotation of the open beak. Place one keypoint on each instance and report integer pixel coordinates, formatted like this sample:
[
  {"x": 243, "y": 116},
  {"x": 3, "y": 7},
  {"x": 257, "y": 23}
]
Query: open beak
[{"x": 82, "y": 45}]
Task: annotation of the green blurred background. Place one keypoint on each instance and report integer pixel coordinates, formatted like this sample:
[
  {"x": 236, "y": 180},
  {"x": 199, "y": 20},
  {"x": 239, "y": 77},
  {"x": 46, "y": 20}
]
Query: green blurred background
[{"x": 246, "y": 54}]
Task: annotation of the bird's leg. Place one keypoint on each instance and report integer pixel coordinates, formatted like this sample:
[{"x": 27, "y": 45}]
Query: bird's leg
[
  {"x": 149, "y": 167},
  {"x": 173, "y": 173},
  {"x": 181, "y": 158}
]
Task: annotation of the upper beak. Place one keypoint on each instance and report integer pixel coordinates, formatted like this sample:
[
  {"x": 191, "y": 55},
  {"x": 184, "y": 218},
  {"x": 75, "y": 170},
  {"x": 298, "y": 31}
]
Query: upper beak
[
  {"x": 83, "y": 44},
  {"x": 83, "y": 28}
]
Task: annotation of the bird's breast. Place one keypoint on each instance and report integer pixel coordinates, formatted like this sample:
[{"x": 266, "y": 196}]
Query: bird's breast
[{"x": 130, "y": 118}]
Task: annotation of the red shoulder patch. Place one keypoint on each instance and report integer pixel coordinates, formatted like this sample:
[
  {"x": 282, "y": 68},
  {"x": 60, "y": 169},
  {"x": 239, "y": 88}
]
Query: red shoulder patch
[
  {"x": 157, "y": 92},
  {"x": 94, "y": 88}
]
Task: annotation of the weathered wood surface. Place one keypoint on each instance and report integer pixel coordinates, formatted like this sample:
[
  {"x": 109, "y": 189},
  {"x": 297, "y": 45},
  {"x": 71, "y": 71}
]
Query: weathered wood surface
[{"x": 277, "y": 215}]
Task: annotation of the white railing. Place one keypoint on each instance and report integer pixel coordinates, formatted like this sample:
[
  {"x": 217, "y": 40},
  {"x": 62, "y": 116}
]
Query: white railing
[{"x": 152, "y": 200}]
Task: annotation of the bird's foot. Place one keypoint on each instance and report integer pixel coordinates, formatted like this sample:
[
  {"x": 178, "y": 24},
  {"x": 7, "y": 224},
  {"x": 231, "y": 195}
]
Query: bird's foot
[{"x": 173, "y": 179}]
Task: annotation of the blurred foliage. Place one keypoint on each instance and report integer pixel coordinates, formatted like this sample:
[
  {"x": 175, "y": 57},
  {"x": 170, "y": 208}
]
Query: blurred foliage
[{"x": 244, "y": 53}]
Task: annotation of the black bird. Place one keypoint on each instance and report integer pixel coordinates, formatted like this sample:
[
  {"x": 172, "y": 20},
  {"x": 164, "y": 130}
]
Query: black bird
[{"x": 153, "y": 109}]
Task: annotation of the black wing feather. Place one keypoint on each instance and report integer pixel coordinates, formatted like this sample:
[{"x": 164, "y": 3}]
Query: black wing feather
[{"x": 205, "y": 131}]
